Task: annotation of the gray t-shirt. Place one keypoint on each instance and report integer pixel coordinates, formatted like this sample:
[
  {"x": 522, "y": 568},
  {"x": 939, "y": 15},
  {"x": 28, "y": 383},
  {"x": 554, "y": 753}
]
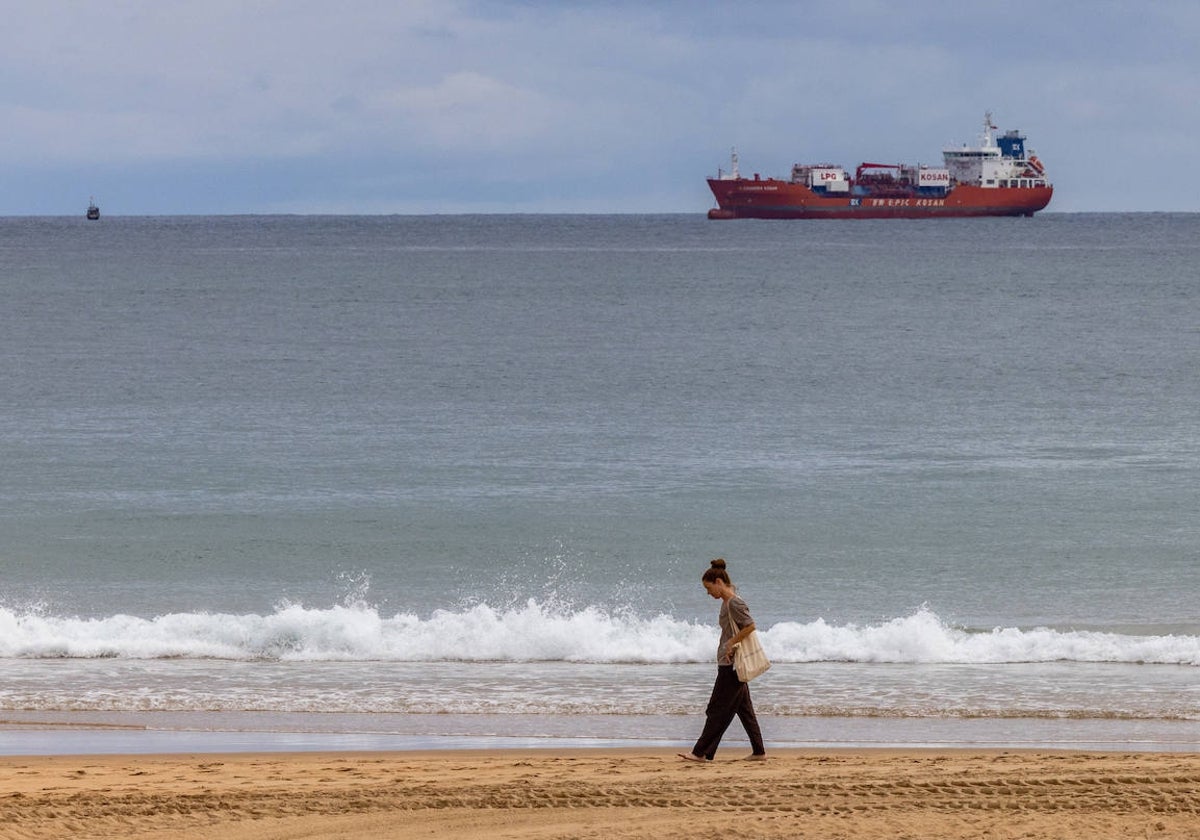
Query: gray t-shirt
[{"x": 734, "y": 611}]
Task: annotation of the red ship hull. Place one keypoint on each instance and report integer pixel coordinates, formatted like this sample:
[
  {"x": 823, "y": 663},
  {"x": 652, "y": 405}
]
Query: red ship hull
[{"x": 744, "y": 198}]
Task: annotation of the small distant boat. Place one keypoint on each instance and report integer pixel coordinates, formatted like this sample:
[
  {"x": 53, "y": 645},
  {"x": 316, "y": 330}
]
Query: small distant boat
[{"x": 93, "y": 212}]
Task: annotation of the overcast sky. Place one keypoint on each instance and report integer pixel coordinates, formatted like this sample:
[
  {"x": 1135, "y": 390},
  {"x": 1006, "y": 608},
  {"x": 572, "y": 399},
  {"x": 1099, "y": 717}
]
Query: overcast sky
[{"x": 407, "y": 106}]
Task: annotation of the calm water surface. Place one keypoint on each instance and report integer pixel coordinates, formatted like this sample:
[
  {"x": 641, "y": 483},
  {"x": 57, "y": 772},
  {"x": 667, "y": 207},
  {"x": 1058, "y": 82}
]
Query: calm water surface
[{"x": 383, "y": 468}]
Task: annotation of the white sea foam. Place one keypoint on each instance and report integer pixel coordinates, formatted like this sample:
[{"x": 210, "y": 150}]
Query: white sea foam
[{"x": 535, "y": 632}]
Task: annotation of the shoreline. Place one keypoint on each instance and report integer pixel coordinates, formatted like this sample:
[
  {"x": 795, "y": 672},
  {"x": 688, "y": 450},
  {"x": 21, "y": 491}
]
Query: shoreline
[
  {"x": 156, "y": 733},
  {"x": 865, "y": 794}
]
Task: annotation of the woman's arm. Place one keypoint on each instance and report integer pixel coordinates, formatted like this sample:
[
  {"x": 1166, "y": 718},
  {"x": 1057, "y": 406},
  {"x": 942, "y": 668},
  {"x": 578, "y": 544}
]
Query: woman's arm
[{"x": 741, "y": 634}]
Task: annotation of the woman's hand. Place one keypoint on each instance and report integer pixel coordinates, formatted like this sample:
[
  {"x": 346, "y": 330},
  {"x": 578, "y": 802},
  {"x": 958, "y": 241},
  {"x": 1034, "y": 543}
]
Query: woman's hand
[{"x": 736, "y": 639}]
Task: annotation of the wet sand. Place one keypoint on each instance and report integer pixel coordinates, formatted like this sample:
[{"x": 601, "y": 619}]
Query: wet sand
[{"x": 594, "y": 793}]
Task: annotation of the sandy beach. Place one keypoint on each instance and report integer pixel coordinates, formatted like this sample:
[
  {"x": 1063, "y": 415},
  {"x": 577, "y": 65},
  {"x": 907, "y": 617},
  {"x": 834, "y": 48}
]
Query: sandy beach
[{"x": 636, "y": 793}]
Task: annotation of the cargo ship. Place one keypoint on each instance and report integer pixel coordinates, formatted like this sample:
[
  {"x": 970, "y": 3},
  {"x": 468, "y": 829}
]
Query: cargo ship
[{"x": 995, "y": 178}]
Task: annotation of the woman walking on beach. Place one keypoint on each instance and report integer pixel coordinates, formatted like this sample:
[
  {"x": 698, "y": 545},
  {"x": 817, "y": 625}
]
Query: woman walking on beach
[{"x": 730, "y": 696}]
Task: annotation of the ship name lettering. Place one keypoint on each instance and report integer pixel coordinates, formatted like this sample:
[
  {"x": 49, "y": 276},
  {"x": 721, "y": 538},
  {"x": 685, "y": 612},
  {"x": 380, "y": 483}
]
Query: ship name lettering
[{"x": 908, "y": 202}]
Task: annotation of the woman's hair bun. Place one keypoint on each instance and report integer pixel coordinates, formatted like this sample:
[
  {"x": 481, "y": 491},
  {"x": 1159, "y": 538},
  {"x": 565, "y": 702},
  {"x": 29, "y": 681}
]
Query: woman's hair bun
[{"x": 719, "y": 563}]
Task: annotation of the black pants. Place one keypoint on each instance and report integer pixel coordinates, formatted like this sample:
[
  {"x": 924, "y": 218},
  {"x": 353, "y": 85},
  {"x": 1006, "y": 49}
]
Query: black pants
[{"x": 730, "y": 696}]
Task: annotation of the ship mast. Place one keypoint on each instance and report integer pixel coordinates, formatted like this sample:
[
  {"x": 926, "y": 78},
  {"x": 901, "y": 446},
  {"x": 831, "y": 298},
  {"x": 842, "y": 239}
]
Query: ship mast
[
  {"x": 987, "y": 140},
  {"x": 734, "y": 175}
]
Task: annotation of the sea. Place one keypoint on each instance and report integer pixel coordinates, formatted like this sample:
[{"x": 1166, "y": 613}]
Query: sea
[{"x": 391, "y": 482}]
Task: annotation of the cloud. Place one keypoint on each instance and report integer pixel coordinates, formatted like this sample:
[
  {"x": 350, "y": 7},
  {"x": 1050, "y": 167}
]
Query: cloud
[
  {"x": 574, "y": 105},
  {"x": 467, "y": 111}
]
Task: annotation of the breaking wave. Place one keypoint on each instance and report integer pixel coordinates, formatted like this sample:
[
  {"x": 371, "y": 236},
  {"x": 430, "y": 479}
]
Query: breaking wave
[{"x": 535, "y": 632}]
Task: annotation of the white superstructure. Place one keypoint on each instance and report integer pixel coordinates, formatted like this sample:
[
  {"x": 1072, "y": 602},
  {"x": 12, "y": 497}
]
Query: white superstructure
[{"x": 993, "y": 163}]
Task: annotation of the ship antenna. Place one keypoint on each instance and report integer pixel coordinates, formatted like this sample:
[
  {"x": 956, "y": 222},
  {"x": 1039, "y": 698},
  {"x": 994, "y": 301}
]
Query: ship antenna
[{"x": 988, "y": 138}]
